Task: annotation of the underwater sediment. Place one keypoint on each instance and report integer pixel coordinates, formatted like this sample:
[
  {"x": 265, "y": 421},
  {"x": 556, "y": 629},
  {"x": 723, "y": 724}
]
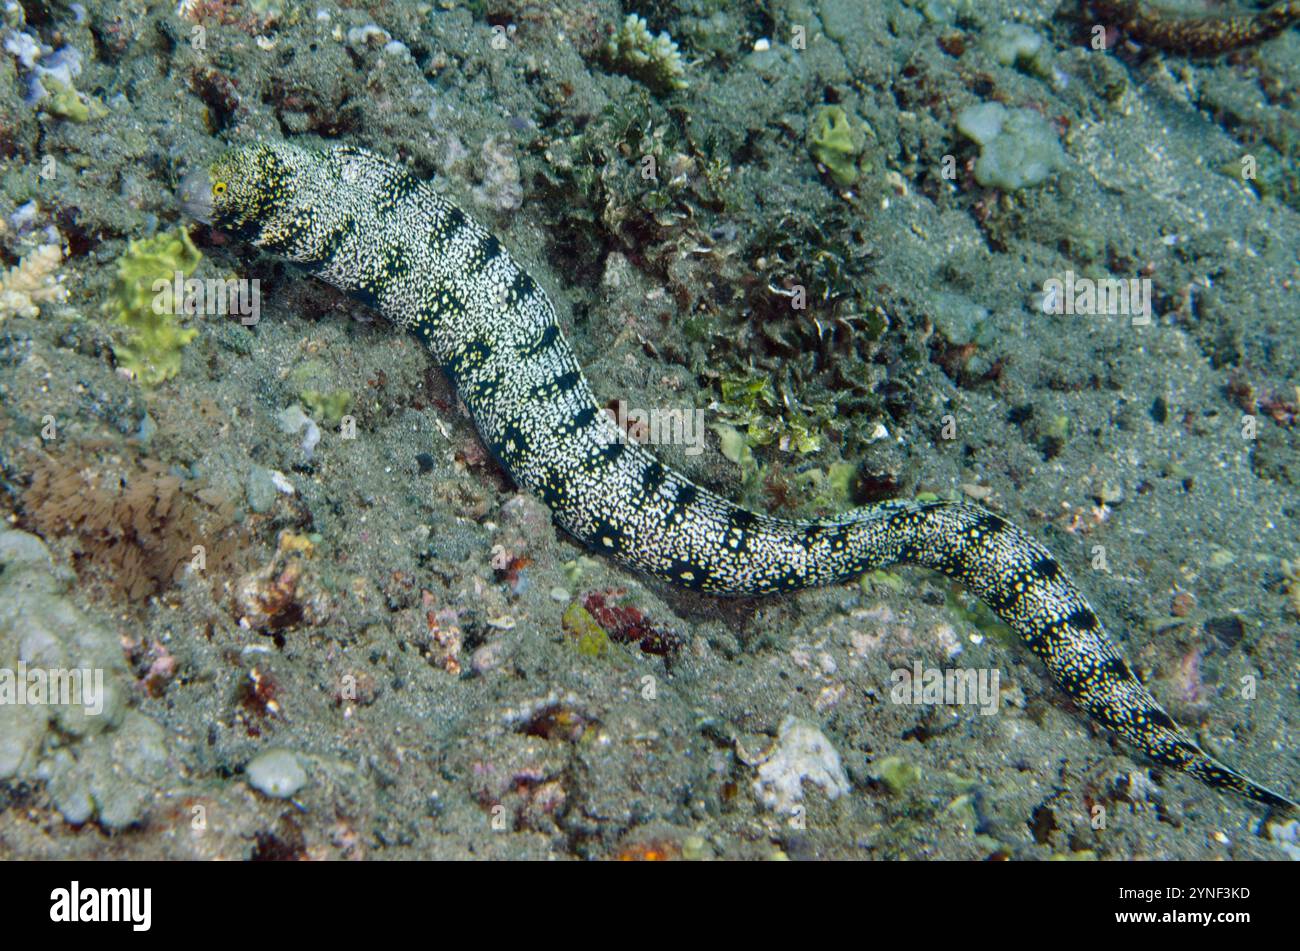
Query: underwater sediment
[{"x": 382, "y": 648}]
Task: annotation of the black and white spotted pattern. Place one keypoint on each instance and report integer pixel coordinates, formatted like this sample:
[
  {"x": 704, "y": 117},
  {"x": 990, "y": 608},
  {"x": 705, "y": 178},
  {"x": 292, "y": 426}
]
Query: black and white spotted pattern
[{"x": 366, "y": 226}]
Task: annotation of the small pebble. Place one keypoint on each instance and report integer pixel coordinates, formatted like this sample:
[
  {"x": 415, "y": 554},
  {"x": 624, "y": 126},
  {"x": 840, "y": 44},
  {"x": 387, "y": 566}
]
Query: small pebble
[
  {"x": 696, "y": 849},
  {"x": 147, "y": 429},
  {"x": 276, "y": 773},
  {"x": 487, "y": 658},
  {"x": 260, "y": 489}
]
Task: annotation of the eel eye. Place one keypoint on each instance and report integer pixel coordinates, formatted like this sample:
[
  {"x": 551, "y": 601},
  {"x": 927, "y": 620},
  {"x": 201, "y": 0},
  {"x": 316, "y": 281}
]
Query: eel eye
[{"x": 218, "y": 189}]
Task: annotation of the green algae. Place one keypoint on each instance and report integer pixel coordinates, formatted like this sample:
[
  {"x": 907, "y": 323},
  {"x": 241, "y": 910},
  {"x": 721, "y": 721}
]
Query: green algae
[
  {"x": 977, "y": 614},
  {"x": 829, "y": 488},
  {"x": 879, "y": 578},
  {"x": 750, "y": 401},
  {"x": 591, "y": 639},
  {"x": 836, "y": 144},
  {"x": 328, "y": 406},
  {"x": 68, "y": 103},
  {"x": 152, "y": 350},
  {"x": 897, "y": 774},
  {"x": 310, "y": 383}
]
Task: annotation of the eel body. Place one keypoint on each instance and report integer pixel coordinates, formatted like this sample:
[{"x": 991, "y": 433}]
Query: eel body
[{"x": 368, "y": 227}]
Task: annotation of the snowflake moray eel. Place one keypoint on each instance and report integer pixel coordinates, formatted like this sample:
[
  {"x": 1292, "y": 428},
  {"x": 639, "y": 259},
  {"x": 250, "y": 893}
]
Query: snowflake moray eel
[{"x": 368, "y": 227}]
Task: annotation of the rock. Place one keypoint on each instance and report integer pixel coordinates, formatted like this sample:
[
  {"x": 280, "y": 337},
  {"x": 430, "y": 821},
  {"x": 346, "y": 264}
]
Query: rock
[
  {"x": 982, "y": 123},
  {"x": 113, "y": 777},
  {"x": 801, "y": 752},
  {"x": 897, "y": 774},
  {"x": 695, "y": 848},
  {"x": 487, "y": 658},
  {"x": 108, "y": 758},
  {"x": 276, "y": 773},
  {"x": 26, "y": 555},
  {"x": 962, "y": 320},
  {"x": 1019, "y": 148},
  {"x": 1286, "y": 835},
  {"x": 69, "y": 789},
  {"x": 1014, "y": 44},
  {"x": 147, "y": 429},
  {"x": 137, "y": 759},
  {"x": 21, "y": 731}
]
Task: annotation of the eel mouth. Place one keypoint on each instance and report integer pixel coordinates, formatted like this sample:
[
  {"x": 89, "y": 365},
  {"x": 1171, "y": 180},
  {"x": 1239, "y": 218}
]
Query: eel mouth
[{"x": 195, "y": 195}]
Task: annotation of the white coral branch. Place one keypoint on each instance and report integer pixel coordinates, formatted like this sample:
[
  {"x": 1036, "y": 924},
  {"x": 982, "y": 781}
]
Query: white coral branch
[{"x": 31, "y": 282}]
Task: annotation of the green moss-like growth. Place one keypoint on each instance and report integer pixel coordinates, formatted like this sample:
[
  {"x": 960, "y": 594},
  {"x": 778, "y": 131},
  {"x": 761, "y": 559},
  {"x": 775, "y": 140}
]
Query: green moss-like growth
[
  {"x": 152, "y": 352},
  {"x": 836, "y": 144},
  {"x": 757, "y": 418},
  {"x": 897, "y": 774},
  {"x": 329, "y": 406},
  {"x": 310, "y": 382},
  {"x": 829, "y": 488},
  {"x": 880, "y": 579},
  {"x": 750, "y": 401},
  {"x": 823, "y": 382}
]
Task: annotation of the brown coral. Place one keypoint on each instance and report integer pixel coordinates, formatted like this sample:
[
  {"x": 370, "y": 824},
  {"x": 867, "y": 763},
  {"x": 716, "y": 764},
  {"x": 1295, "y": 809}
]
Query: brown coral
[{"x": 130, "y": 524}]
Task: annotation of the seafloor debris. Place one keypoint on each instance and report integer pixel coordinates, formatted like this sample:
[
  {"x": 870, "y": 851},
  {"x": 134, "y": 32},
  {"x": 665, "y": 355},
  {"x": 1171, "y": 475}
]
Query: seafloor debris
[
  {"x": 1291, "y": 584},
  {"x": 285, "y": 593},
  {"x": 606, "y": 615},
  {"x": 445, "y": 637},
  {"x": 649, "y": 850},
  {"x": 501, "y": 187},
  {"x": 258, "y": 696},
  {"x": 277, "y": 773},
  {"x": 554, "y": 717}
]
